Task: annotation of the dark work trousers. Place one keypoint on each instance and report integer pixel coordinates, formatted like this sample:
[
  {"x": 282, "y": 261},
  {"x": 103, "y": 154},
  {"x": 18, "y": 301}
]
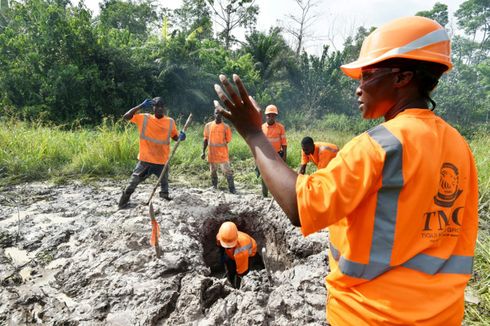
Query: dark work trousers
[
  {"x": 230, "y": 267},
  {"x": 142, "y": 171},
  {"x": 265, "y": 191}
]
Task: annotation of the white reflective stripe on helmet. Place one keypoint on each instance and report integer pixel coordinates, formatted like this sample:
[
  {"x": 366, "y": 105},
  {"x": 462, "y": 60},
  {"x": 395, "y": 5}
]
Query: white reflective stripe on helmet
[{"x": 426, "y": 40}]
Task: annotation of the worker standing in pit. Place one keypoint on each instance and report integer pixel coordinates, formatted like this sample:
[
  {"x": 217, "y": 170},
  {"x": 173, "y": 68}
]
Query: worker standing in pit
[
  {"x": 236, "y": 248},
  {"x": 400, "y": 200},
  {"x": 320, "y": 153}
]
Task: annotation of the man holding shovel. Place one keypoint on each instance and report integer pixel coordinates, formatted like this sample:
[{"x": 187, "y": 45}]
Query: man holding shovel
[{"x": 155, "y": 132}]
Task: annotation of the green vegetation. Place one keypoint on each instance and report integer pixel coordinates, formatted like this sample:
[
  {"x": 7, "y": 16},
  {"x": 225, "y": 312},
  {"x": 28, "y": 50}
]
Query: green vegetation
[{"x": 59, "y": 63}]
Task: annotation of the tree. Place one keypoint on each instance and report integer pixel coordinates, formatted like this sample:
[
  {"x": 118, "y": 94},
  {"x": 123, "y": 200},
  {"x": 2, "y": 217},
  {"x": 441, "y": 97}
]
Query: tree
[
  {"x": 269, "y": 52},
  {"x": 474, "y": 18},
  {"x": 194, "y": 15},
  {"x": 301, "y": 23},
  {"x": 131, "y": 16},
  {"x": 230, "y": 14},
  {"x": 438, "y": 13}
]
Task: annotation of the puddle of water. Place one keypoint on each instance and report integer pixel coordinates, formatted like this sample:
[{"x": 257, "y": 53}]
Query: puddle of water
[{"x": 18, "y": 256}]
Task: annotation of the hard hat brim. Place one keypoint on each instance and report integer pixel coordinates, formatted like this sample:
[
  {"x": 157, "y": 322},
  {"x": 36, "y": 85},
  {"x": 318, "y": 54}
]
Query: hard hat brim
[{"x": 228, "y": 244}]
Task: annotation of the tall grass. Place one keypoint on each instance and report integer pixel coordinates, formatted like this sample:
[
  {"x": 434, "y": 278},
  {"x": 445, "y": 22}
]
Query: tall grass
[
  {"x": 35, "y": 151},
  {"x": 479, "y": 314}
]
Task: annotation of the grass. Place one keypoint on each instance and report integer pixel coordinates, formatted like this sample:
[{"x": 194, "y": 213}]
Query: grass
[{"x": 39, "y": 152}]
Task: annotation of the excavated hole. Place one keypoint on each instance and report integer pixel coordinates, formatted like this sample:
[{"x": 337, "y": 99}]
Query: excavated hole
[{"x": 265, "y": 234}]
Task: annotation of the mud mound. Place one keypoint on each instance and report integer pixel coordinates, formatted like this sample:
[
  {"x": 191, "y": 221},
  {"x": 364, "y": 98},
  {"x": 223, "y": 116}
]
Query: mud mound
[{"x": 69, "y": 257}]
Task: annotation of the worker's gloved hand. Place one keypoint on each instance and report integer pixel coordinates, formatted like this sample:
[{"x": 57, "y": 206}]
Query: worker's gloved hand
[
  {"x": 182, "y": 136},
  {"x": 203, "y": 155},
  {"x": 147, "y": 103}
]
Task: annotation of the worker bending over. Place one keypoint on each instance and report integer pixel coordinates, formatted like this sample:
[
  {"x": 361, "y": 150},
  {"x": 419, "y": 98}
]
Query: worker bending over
[
  {"x": 155, "y": 132},
  {"x": 276, "y": 134},
  {"x": 217, "y": 135},
  {"x": 236, "y": 248},
  {"x": 400, "y": 200},
  {"x": 320, "y": 153}
]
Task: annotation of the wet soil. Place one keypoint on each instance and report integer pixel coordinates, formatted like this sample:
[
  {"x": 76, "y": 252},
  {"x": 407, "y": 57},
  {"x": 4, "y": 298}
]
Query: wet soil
[{"x": 68, "y": 256}]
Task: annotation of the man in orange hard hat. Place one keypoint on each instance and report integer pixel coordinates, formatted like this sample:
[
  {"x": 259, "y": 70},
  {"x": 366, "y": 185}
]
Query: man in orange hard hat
[
  {"x": 320, "y": 153},
  {"x": 276, "y": 134},
  {"x": 217, "y": 135},
  {"x": 155, "y": 132},
  {"x": 236, "y": 248},
  {"x": 400, "y": 200}
]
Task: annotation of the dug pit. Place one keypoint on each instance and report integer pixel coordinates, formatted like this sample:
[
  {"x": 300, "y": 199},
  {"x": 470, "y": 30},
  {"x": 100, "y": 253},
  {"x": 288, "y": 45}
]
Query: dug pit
[{"x": 91, "y": 264}]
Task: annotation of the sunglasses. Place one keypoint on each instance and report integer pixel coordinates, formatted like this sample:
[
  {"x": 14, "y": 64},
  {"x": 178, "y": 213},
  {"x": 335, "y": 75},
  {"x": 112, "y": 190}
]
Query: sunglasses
[{"x": 372, "y": 74}]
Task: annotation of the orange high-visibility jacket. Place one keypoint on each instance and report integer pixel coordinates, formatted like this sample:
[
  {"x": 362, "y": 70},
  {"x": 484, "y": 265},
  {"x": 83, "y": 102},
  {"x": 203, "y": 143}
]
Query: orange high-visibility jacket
[
  {"x": 401, "y": 203},
  {"x": 155, "y": 135},
  {"x": 246, "y": 247},
  {"x": 218, "y": 136},
  {"x": 323, "y": 153},
  {"x": 276, "y": 134}
]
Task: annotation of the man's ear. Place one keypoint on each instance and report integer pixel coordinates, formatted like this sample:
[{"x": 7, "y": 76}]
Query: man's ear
[{"x": 402, "y": 79}]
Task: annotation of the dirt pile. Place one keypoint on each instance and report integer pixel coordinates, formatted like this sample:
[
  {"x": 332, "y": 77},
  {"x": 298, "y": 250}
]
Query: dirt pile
[{"x": 69, "y": 257}]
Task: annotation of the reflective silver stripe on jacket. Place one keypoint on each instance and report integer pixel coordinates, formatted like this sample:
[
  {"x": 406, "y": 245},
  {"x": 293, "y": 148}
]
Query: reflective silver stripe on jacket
[
  {"x": 274, "y": 139},
  {"x": 153, "y": 140},
  {"x": 327, "y": 148},
  {"x": 431, "y": 38},
  {"x": 244, "y": 248},
  {"x": 385, "y": 222}
]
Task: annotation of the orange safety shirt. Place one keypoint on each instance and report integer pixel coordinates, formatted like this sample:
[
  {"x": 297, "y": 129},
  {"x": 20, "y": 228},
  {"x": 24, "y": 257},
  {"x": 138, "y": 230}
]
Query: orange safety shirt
[
  {"x": 323, "y": 153},
  {"x": 155, "y": 135},
  {"x": 246, "y": 247},
  {"x": 401, "y": 203},
  {"x": 276, "y": 134},
  {"x": 218, "y": 136}
]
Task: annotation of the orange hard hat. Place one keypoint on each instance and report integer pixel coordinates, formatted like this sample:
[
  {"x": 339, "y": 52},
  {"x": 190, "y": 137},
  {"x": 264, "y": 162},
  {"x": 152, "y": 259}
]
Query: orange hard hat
[
  {"x": 416, "y": 38},
  {"x": 228, "y": 235},
  {"x": 271, "y": 108}
]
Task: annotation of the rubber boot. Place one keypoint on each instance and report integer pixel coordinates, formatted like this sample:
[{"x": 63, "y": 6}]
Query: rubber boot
[
  {"x": 123, "y": 201},
  {"x": 165, "y": 196},
  {"x": 231, "y": 184},
  {"x": 214, "y": 181}
]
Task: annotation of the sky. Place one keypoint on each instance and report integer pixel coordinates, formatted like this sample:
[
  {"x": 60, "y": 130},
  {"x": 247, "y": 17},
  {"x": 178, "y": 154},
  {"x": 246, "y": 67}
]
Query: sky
[{"x": 336, "y": 19}]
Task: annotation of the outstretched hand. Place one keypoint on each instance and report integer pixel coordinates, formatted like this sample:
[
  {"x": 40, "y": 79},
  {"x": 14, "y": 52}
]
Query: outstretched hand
[{"x": 240, "y": 109}]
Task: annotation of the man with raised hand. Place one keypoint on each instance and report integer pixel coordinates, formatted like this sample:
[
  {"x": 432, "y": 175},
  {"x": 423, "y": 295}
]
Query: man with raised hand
[
  {"x": 155, "y": 132},
  {"x": 400, "y": 200}
]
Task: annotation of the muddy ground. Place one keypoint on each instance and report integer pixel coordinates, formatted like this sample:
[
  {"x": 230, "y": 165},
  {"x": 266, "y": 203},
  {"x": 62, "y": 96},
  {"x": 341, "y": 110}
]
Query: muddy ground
[{"x": 68, "y": 256}]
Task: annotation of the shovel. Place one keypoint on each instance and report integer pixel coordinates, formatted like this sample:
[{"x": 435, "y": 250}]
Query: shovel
[{"x": 155, "y": 228}]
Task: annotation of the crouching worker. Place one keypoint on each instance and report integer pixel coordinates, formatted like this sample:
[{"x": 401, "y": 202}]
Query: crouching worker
[
  {"x": 320, "y": 153},
  {"x": 235, "y": 247},
  {"x": 155, "y": 132}
]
